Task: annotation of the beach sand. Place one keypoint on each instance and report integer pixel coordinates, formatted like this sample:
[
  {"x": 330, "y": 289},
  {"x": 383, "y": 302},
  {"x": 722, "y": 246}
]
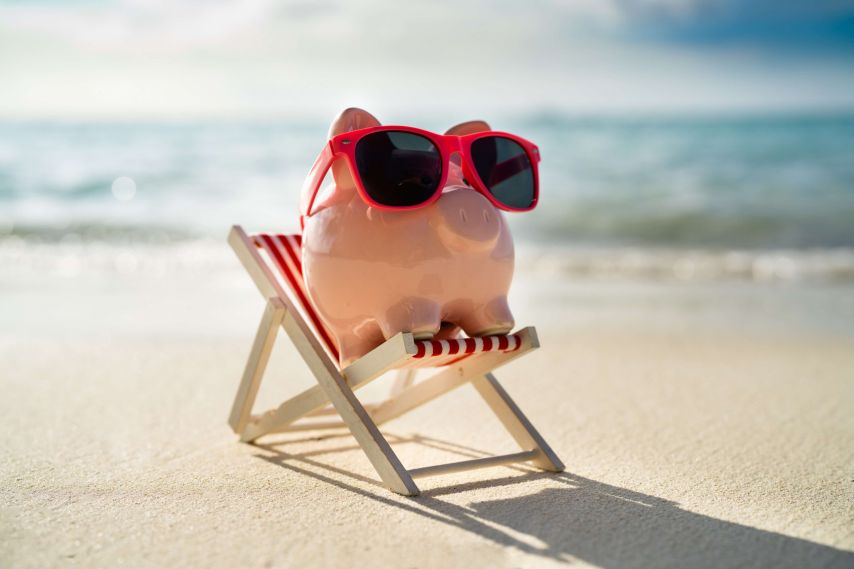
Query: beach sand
[{"x": 702, "y": 425}]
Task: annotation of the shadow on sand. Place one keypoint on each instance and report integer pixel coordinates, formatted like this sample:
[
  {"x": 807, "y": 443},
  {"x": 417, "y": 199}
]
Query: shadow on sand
[{"x": 581, "y": 519}]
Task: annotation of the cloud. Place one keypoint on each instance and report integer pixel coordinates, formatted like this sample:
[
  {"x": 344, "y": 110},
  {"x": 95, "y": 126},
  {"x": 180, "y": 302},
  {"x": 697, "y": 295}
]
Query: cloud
[
  {"x": 793, "y": 25},
  {"x": 185, "y": 58},
  {"x": 181, "y": 25},
  {"x": 156, "y": 25}
]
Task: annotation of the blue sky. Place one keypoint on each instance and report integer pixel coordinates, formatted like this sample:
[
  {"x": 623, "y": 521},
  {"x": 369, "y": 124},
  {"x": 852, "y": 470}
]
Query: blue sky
[{"x": 138, "y": 59}]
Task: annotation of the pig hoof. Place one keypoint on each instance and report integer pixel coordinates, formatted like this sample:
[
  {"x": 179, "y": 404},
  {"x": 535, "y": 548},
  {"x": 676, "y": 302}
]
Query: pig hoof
[
  {"x": 494, "y": 331},
  {"x": 424, "y": 334}
]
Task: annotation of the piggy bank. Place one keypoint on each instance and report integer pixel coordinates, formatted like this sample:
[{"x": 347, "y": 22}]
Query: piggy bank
[{"x": 433, "y": 270}]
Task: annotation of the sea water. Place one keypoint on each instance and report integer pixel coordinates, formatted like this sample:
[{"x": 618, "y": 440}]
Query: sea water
[{"x": 702, "y": 196}]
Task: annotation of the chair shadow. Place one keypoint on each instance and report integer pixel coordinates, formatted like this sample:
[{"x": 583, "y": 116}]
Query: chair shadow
[{"x": 582, "y": 519}]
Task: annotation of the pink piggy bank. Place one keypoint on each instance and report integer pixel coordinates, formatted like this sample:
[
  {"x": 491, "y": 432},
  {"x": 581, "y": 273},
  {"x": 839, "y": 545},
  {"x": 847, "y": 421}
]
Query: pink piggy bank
[{"x": 374, "y": 271}]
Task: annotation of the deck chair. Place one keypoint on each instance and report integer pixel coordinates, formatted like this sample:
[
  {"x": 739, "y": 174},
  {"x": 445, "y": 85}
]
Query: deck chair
[{"x": 274, "y": 263}]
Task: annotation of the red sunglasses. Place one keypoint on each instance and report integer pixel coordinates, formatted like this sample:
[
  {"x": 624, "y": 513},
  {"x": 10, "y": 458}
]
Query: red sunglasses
[{"x": 401, "y": 168}]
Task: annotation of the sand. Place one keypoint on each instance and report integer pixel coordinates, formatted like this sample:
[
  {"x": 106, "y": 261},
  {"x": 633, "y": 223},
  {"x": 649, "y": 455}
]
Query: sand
[{"x": 702, "y": 425}]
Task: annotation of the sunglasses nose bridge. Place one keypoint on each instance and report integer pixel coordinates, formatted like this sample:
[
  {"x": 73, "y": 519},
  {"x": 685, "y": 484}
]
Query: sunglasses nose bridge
[
  {"x": 454, "y": 149},
  {"x": 458, "y": 169},
  {"x": 458, "y": 156}
]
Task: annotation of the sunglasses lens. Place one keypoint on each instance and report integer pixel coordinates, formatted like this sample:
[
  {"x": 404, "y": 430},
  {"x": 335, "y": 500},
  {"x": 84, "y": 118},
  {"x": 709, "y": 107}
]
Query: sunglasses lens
[
  {"x": 505, "y": 170},
  {"x": 398, "y": 168}
]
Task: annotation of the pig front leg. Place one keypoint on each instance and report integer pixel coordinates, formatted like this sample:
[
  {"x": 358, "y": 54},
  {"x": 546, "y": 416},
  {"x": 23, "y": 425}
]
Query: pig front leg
[
  {"x": 356, "y": 342},
  {"x": 419, "y": 316},
  {"x": 487, "y": 319}
]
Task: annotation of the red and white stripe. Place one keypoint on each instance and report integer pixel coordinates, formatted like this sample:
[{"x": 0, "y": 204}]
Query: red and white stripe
[
  {"x": 283, "y": 252},
  {"x": 434, "y": 353},
  {"x": 432, "y": 348}
]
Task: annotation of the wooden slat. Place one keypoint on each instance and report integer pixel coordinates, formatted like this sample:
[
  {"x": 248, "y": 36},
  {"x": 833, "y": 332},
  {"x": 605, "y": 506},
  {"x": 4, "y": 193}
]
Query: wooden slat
[
  {"x": 328, "y": 410},
  {"x": 405, "y": 378},
  {"x": 324, "y": 411},
  {"x": 260, "y": 272},
  {"x": 312, "y": 426},
  {"x": 247, "y": 391},
  {"x": 473, "y": 464}
]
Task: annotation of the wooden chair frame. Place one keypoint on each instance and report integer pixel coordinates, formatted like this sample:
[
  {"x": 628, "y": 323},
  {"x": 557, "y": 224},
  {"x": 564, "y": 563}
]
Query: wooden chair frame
[{"x": 336, "y": 387}]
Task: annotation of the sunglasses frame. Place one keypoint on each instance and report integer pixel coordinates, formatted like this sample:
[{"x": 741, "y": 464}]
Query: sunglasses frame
[{"x": 344, "y": 146}]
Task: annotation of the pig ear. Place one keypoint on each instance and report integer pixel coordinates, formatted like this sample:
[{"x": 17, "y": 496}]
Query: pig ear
[
  {"x": 469, "y": 127},
  {"x": 349, "y": 119},
  {"x": 352, "y": 119}
]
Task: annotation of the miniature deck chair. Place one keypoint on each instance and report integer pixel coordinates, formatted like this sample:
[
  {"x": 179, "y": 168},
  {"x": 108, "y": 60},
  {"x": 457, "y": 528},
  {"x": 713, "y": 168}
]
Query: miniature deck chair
[{"x": 273, "y": 262}]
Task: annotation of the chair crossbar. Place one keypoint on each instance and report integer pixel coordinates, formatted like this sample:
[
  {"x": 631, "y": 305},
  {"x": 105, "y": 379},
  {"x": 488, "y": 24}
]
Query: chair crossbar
[
  {"x": 463, "y": 465},
  {"x": 325, "y": 411},
  {"x": 310, "y": 426},
  {"x": 273, "y": 262}
]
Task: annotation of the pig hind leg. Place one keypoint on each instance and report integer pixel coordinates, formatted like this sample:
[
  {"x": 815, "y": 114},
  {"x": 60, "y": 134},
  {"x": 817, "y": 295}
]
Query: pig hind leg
[{"x": 493, "y": 317}]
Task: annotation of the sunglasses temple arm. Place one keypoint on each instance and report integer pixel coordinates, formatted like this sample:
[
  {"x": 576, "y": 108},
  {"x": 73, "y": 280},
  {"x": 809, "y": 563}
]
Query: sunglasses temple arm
[{"x": 313, "y": 180}]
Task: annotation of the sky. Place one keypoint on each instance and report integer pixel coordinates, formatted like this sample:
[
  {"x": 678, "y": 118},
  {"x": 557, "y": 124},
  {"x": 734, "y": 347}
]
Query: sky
[{"x": 164, "y": 59}]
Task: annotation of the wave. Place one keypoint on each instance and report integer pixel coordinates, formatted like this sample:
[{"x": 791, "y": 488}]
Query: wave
[
  {"x": 661, "y": 182},
  {"x": 74, "y": 257},
  {"x": 696, "y": 265}
]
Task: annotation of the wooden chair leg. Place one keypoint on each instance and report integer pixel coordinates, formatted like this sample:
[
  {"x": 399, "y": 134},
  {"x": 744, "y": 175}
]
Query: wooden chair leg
[
  {"x": 376, "y": 447},
  {"x": 241, "y": 409},
  {"x": 405, "y": 378},
  {"x": 519, "y": 427}
]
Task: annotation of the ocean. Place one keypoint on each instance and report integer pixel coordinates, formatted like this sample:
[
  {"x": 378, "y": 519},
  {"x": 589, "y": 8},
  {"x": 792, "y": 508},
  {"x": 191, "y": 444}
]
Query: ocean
[{"x": 664, "y": 197}]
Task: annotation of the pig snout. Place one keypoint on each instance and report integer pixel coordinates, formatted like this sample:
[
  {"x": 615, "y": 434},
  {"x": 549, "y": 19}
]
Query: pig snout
[{"x": 466, "y": 221}]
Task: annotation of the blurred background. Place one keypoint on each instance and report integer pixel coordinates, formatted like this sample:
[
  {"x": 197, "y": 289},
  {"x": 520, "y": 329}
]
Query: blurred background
[{"x": 682, "y": 140}]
